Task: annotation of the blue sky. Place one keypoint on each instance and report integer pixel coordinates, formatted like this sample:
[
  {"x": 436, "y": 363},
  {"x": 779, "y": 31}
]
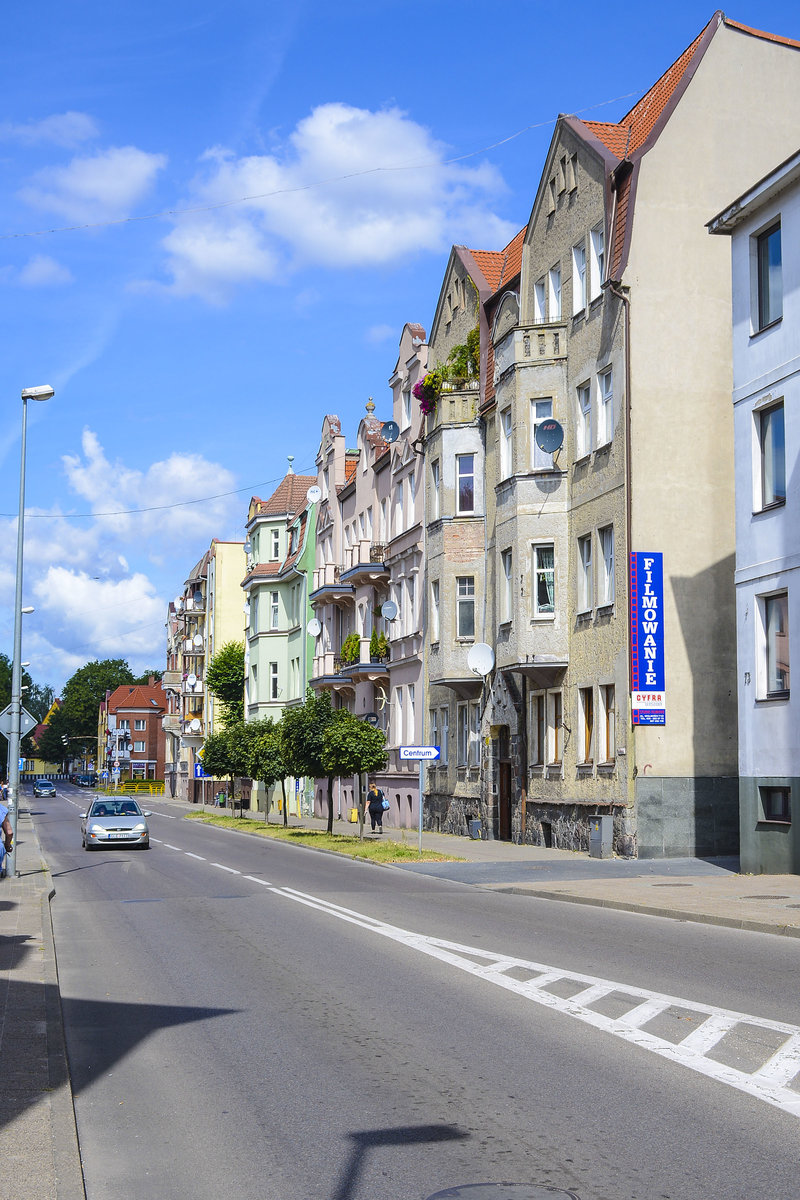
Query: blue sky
[{"x": 216, "y": 219}]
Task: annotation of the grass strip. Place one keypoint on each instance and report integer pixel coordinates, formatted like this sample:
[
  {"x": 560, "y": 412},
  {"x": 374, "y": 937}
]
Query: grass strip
[{"x": 384, "y": 850}]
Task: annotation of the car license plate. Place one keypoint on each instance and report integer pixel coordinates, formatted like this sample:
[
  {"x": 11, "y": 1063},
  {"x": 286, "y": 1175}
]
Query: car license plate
[{"x": 122, "y": 835}]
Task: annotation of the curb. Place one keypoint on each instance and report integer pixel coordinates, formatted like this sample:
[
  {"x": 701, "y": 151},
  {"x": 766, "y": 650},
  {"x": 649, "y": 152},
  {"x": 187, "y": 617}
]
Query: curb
[{"x": 671, "y": 914}]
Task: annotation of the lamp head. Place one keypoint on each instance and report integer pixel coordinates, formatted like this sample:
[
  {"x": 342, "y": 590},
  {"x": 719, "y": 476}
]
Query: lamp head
[{"x": 43, "y": 392}]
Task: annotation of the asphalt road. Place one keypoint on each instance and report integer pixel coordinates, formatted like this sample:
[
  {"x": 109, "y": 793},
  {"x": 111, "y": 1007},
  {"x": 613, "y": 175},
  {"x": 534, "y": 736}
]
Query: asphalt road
[{"x": 256, "y": 1020}]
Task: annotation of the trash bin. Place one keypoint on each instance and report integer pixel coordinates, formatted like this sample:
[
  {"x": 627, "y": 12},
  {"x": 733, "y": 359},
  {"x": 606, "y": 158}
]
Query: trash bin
[
  {"x": 601, "y": 837},
  {"x": 475, "y": 829},
  {"x": 353, "y": 817}
]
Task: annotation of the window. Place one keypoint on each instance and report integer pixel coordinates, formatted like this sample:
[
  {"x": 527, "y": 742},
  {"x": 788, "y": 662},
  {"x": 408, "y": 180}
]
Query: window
[
  {"x": 405, "y": 406},
  {"x": 474, "y": 751},
  {"x": 554, "y": 288},
  {"x": 435, "y": 509},
  {"x": 584, "y": 420},
  {"x": 411, "y": 715},
  {"x": 597, "y": 244},
  {"x": 383, "y": 532},
  {"x": 505, "y": 444},
  {"x": 465, "y": 478},
  {"x": 273, "y": 681},
  {"x": 462, "y": 720},
  {"x": 138, "y": 747},
  {"x": 539, "y": 301},
  {"x": 608, "y": 733},
  {"x": 445, "y": 742},
  {"x": 398, "y": 716},
  {"x": 543, "y": 580},
  {"x": 605, "y": 396},
  {"x": 776, "y": 629},
  {"x": 506, "y": 583},
  {"x": 578, "y": 278},
  {"x": 537, "y": 735},
  {"x": 410, "y": 623},
  {"x": 606, "y": 581},
  {"x": 435, "y": 610},
  {"x": 398, "y": 507},
  {"x": 556, "y": 729},
  {"x": 411, "y": 495},
  {"x": 769, "y": 276},
  {"x": 586, "y": 700},
  {"x": 273, "y": 610},
  {"x": 772, "y": 447},
  {"x": 541, "y": 410},
  {"x": 140, "y": 724},
  {"x": 276, "y": 544},
  {"x": 434, "y": 727},
  {"x": 775, "y": 804},
  {"x": 465, "y": 606},
  {"x": 585, "y": 591}
]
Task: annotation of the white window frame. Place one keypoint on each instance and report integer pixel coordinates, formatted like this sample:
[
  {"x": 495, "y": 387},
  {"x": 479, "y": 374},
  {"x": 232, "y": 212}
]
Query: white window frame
[
  {"x": 435, "y": 614},
  {"x": 540, "y": 301},
  {"x": 398, "y": 507},
  {"x": 584, "y": 402},
  {"x": 605, "y": 406},
  {"x": 506, "y": 444},
  {"x": 465, "y": 602},
  {"x": 578, "y": 278},
  {"x": 474, "y": 734},
  {"x": 462, "y": 734},
  {"x": 274, "y": 689},
  {"x": 555, "y": 728},
  {"x": 435, "y": 493},
  {"x": 597, "y": 248},
  {"x": 506, "y": 586},
  {"x": 411, "y": 714},
  {"x": 274, "y": 610},
  {"x": 541, "y": 410},
  {"x": 275, "y": 551},
  {"x": 769, "y": 475},
  {"x": 773, "y": 611},
  {"x": 767, "y": 287},
  {"x": 539, "y": 573},
  {"x": 585, "y": 577},
  {"x": 462, "y": 474},
  {"x": 537, "y": 729},
  {"x": 139, "y": 747},
  {"x": 140, "y": 725},
  {"x": 586, "y": 717},
  {"x": 445, "y": 736},
  {"x": 608, "y": 717},
  {"x": 405, "y": 408},
  {"x": 397, "y": 731},
  {"x": 605, "y": 588},
  {"x": 554, "y": 293}
]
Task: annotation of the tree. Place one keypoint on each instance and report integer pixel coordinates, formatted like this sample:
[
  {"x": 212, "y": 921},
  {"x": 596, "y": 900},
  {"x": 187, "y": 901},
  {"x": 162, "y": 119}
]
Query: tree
[
  {"x": 225, "y": 678},
  {"x": 83, "y": 693},
  {"x": 50, "y": 744},
  {"x": 36, "y": 698},
  {"x": 226, "y": 754},
  {"x": 351, "y": 747},
  {"x": 151, "y": 673},
  {"x": 302, "y": 732},
  {"x": 267, "y": 762}
]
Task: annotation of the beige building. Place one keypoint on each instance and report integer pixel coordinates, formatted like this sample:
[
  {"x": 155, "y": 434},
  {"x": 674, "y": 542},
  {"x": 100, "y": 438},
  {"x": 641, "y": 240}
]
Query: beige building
[
  {"x": 206, "y": 615},
  {"x": 618, "y": 329}
]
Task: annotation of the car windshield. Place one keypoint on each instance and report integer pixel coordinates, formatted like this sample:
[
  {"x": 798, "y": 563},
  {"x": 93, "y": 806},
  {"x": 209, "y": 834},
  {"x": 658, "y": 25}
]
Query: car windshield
[{"x": 115, "y": 808}]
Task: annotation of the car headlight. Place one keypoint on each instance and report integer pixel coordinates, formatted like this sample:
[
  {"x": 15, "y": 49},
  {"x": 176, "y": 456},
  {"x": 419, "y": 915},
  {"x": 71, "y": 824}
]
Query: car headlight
[
  {"x": 96, "y": 829},
  {"x": 140, "y": 828}
]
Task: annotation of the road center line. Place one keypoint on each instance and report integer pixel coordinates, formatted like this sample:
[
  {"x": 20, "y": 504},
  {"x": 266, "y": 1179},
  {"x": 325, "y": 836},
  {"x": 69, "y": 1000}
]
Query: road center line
[
  {"x": 224, "y": 868},
  {"x": 189, "y": 854}
]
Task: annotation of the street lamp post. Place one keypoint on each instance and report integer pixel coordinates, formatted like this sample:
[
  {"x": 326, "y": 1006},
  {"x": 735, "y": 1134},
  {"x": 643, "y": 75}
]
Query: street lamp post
[{"x": 35, "y": 393}]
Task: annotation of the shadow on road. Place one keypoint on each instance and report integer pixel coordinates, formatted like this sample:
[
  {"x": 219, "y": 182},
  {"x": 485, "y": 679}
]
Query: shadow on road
[{"x": 365, "y": 1140}]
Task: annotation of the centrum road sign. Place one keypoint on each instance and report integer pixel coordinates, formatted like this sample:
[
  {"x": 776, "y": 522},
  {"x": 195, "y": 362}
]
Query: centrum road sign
[{"x": 421, "y": 752}]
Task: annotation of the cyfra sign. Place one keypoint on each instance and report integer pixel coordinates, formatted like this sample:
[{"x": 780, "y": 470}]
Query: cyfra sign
[{"x": 648, "y": 702}]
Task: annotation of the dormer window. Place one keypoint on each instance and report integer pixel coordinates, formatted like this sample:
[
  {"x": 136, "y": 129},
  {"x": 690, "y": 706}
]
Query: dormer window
[{"x": 276, "y": 545}]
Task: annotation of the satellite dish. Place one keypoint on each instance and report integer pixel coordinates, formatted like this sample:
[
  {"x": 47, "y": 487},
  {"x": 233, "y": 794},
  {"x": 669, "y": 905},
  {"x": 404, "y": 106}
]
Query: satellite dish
[
  {"x": 390, "y": 431},
  {"x": 549, "y": 436},
  {"x": 198, "y": 639},
  {"x": 313, "y": 627},
  {"x": 314, "y": 494},
  {"x": 247, "y": 545},
  {"x": 198, "y": 597},
  {"x": 389, "y": 610},
  {"x": 371, "y": 718},
  {"x": 191, "y": 679},
  {"x": 194, "y": 724},
  {"x": 480, "y": 659}
]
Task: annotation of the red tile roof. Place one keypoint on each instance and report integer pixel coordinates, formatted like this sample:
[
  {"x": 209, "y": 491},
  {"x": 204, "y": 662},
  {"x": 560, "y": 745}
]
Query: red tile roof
[
  {"x": 136, "y": 695},
  {"x": 491, "y": 263},
  {"x": 288, "y": 497},
  {"x": 770, "y": 37}
]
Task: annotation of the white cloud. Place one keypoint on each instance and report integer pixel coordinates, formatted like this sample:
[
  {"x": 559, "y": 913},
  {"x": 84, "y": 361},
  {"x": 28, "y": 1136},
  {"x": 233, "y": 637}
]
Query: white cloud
[
  {"x": 350, "y": 188},
  {"x": 43, "y": 271},
  {"x": 102, "y": 186},
  {"x": 62, "y": 129},
  {"x": 378, "y": 334}
]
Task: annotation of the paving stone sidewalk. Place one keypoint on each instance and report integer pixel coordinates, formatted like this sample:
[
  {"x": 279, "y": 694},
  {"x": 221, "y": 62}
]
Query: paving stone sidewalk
[{"x": 40, "y": 1160}]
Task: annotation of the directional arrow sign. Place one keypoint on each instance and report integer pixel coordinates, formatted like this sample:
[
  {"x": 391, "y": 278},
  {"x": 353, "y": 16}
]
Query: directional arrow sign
[
  {"x": 422, "y": 752},
  {"x": 26, "y": 721}
]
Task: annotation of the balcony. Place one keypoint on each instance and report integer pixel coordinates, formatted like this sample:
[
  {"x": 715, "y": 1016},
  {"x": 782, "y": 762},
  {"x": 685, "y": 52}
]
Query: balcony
[
  {"x": 328, "y": 587},
  {"x": 172, "y": 723},
  {"x": 364, "y": 562},
  {"x": 530, "y": 346},
  {"x": 172, "y": 680},
  {"x": 457, "y": 404}
]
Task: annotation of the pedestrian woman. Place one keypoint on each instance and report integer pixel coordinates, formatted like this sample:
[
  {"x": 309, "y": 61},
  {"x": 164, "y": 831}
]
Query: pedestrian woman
[{"x": 375, "y": 800}]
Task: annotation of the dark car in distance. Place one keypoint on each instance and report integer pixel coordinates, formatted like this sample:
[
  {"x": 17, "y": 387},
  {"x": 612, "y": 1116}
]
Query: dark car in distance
[{"x": 44, "y": 787}]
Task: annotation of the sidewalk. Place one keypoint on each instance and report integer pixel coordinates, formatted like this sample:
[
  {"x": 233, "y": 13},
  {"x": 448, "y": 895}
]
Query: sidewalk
[
  {"x": 710, "y": 892},
  {"x": 40, "y": 1160}
]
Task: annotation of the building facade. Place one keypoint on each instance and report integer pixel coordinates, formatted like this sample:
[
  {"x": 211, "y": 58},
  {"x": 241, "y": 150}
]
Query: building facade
[
  {"x": 131, "y": 735},
  {"x": 764, "y": 227}
]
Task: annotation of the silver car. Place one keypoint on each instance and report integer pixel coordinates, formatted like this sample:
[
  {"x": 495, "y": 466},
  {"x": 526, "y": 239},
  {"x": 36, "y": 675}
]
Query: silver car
[{"x": 112, "y": 822}]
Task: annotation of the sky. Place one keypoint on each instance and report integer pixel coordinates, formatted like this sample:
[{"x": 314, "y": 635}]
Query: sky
[{"x": 216, "y": 218}]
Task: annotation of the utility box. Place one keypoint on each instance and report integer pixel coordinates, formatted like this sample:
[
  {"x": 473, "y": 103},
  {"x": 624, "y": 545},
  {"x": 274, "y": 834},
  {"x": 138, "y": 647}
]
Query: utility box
[
  {"x": 353, "y": 817},
  {"x": 475, "y": 830},
  {"x": 601, "y": 837}
]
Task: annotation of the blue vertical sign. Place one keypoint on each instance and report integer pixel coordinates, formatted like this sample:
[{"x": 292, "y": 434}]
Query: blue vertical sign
[{"x": 648, "y": 700}]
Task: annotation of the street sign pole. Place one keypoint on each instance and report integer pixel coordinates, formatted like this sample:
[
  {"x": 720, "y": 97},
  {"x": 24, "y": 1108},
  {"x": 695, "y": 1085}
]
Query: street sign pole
[
  {"x": 421, "y": 781},
  {"x": 423, "y": 754}
]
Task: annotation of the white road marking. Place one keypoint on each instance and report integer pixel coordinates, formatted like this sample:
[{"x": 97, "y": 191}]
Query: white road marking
[
  {"x": 189, "y": 854},
  {"x": 168, "y": 846},
  {"x": 224, "y": 868},
  {"x": 253, "y": 879},
  {"x": 768, "y": 1083}
]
